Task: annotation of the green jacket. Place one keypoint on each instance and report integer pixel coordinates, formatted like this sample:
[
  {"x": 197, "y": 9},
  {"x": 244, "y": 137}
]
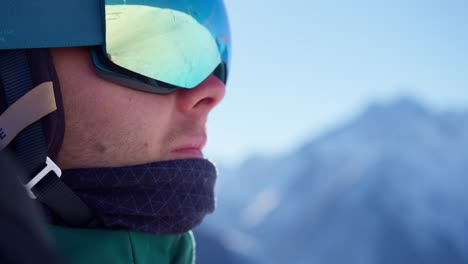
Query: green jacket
[{"x": 89, "y": 246}]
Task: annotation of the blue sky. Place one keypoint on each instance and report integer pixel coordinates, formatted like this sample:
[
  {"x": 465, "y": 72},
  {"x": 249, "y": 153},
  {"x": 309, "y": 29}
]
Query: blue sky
[{"x": 301, "y": 67}]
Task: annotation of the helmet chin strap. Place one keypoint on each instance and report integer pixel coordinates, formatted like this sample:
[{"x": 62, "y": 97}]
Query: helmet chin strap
[
  {"x": 27, "y": 104},
  {"x": 166, "y": 197}
]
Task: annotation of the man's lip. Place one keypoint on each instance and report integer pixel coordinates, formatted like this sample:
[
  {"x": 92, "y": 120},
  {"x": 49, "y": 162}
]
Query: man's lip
[
  {"x": 188, "y": 153},
  {"x": 191, "y": 148}
]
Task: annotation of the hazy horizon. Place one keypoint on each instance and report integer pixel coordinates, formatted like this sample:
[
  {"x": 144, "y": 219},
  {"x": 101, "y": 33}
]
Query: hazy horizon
[{"x": 302, "y": 67}]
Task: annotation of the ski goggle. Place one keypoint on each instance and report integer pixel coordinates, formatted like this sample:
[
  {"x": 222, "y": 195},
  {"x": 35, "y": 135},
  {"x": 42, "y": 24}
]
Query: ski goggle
[
  {"x": 151, "y": 45},
  {"x": 161, "y": 45}
]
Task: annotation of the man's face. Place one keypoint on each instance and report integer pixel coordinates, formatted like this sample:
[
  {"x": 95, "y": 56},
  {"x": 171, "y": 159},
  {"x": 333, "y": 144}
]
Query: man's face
[{"x": 108, "y": 125}]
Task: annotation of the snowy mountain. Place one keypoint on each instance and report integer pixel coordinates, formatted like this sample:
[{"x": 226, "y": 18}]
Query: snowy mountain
[{"x": 388, "y": 187}]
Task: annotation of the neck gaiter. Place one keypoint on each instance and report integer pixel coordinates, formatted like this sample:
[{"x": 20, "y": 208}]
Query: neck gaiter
[{"x": 167, "y": 197}]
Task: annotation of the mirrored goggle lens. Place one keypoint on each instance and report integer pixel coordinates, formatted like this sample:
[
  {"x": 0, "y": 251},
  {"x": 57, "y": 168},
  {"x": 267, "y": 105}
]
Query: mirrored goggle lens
[{"x": 172, "y": 41}]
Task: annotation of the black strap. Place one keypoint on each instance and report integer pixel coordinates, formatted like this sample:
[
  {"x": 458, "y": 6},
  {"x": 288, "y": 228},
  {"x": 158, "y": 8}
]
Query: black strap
[
  {"x": 31, "y": 147},
  {"x": 62, "y": 200}
]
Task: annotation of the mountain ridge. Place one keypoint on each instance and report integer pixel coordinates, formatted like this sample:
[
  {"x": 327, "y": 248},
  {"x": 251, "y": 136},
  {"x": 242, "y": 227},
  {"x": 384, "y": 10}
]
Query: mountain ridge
[{"x": 393, "y": 168}]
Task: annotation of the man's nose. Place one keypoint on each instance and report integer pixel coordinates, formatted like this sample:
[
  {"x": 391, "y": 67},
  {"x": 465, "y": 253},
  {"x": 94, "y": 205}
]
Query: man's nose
[{"x": 203, "y": 98}]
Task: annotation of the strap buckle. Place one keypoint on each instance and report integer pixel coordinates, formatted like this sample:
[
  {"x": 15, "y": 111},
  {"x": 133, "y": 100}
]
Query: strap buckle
[{"x": 50, "y": 167}]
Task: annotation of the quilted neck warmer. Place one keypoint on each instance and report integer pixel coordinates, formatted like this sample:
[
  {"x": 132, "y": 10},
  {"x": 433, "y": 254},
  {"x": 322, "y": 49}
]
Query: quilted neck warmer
[{"x": 168, "y": 197}]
